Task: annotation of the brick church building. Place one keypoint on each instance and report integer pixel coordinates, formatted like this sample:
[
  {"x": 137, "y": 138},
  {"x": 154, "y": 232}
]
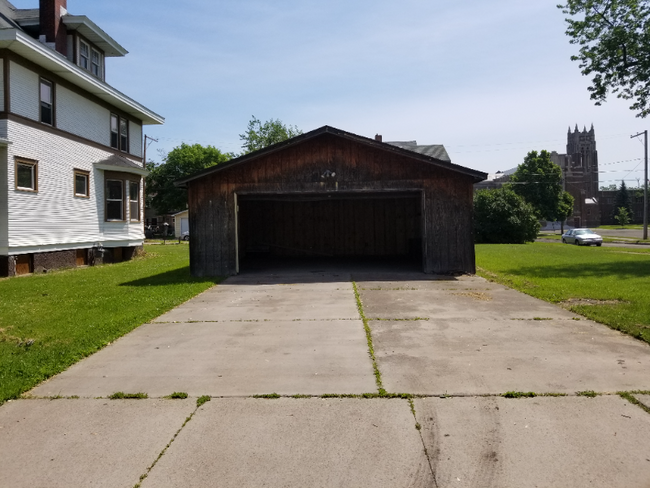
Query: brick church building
[
  {"x": 592, "y": 206},
  {"x": 580, "y": 176}
]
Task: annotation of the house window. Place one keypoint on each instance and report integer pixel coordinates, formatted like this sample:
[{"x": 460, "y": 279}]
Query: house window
[
  {"x": 84, "y": 55},
  {"x": 119, "y": 133},
  {"x": 114, "y": 200},
  {"x": 124, "y": 135},
  {"x": 81, "y": 183},
  {"x": 47, "y": 105},
  {"x": 26, "y": 175},
  {"x": 134, "y": 200},
  {"x": 96, "y": 63},
  {"x": 114, "y": 131}
]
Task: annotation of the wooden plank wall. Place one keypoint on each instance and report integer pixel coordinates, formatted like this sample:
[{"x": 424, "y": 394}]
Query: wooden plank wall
[{"x": 446, "y": 222}]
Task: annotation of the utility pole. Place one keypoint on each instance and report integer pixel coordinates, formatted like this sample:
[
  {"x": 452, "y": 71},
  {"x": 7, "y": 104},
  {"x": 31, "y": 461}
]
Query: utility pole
[
  {"x": 144, "y": 190},
  {"x": 645, "y": 184},
  {"x": 144, "y": 159}
]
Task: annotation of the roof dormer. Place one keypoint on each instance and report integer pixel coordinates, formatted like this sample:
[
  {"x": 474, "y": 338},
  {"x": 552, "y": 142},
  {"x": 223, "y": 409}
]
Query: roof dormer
[{"x": 74, "y": 36}]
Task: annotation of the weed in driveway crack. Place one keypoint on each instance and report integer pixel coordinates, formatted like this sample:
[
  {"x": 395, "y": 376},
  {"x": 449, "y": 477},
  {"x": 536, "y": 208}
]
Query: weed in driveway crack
[
  {"x": 371, "y": 349},
  {"x": 268, "y": 396},
  {"x": 628, "y": 396},
  {"x": 120, "y": 395}
]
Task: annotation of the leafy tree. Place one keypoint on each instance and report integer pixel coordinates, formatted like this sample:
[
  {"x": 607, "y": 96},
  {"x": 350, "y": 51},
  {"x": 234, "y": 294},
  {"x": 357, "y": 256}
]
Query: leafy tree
[
  {"x": 623, "y": 200},
  {"x": 611, "y": 187},
  {"x": 622, "y": 216},
  {"x": 539, "y": 181},
  {"x": 259, "y": 135},
  {"x": 180, "y": 162},
  {"x": 565, "y": 208},
  {"x": 614, "y": 40},
  {"x": 503, "y": 217}
]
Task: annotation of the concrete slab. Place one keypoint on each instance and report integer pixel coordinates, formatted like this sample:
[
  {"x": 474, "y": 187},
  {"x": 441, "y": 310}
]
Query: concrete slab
[
  {"x": 537, "y": 442},
  {"x": 445, "y": 301},
  {"x": 296, "y": 443},
  {"x": 290, "y": 301},
  {"x": 644, "y": 399},
  {"x": 420, "y": 281},
  {"x": 226, "y": 359},
  {"x": 464, "y": 356},
  {"x": 99, "y": 443}
]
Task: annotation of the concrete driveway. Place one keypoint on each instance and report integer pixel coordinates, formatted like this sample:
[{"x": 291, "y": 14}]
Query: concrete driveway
[{"x": 455, "y": 344}]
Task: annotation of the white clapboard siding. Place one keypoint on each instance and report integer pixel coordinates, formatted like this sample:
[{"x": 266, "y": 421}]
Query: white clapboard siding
[
  {"x": 53, "y": 218},
  {"x": 75, "y": 113},
  {"x": 135, "y": 139},
  {"x": 2, "y": 85},
  {"x": 4, "y": 241},
  {"x": 80, "y": 116},
  {"x": 25, "y": 97}
]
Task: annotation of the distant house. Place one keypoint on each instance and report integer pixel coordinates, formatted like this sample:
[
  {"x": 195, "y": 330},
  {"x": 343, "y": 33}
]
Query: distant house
[
  {"x": 71, "y": 164},
  {"x": 333, "y": 194},
  {"x": 181, "y": 223}
]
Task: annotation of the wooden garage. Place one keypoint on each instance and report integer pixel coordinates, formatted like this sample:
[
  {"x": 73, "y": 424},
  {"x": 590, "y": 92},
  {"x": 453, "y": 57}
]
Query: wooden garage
[{"x": 333, "y": 194}]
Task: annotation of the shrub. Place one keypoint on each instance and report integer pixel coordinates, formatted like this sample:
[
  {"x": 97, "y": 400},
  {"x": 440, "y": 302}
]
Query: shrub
[{"x": 503, "y": 217}]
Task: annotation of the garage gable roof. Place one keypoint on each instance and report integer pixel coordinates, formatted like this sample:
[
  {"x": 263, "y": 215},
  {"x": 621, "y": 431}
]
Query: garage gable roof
[{"x": 424, "y": 156}]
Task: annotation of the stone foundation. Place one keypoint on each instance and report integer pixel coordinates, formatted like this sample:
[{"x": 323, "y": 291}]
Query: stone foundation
[{"x": 44, "y": 262}]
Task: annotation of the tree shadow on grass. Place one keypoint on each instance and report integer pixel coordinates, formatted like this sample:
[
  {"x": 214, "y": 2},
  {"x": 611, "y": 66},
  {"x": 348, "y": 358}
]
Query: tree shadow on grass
[
  {"x": 178, "y": 276},
  {"x": 619, "y": 269}
]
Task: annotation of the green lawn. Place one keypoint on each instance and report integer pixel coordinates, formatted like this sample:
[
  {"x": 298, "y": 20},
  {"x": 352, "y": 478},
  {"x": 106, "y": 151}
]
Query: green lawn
[
  {"x": 50, "y": 321},
  {"x": 618, "y": 227},
  {"x": 558, "y": 274}
]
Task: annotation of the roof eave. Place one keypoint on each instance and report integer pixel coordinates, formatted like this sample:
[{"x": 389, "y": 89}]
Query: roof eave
[
  {"x": 20, "y": 43},
  {"x": 121, "y": 169}
]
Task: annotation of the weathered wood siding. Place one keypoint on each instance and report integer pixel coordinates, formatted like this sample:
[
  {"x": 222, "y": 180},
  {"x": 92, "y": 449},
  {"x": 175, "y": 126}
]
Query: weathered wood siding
[{"x": 446, "y": 224}]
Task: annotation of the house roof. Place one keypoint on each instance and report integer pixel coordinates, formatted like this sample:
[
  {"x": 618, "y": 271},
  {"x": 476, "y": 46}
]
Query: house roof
[
  {"x": 22, "y": 44},
  {"x": 119, "y": 163},
  {"x": 424, "y": 155},
  {"x": 436, "y": 151}
]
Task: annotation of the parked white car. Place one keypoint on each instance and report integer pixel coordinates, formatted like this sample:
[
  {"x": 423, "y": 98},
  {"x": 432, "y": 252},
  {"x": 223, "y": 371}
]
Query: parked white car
[{"x": 582, "y": 237}]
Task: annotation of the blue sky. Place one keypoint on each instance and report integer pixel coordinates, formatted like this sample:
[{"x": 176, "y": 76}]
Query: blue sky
[{"x": 491, "y": 80}]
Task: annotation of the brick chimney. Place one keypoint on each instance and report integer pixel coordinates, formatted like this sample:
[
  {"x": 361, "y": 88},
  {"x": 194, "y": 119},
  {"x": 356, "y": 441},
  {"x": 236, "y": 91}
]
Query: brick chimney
[
  {"x": 53, "y": 32},
  {"x": 378, "y": 137}
]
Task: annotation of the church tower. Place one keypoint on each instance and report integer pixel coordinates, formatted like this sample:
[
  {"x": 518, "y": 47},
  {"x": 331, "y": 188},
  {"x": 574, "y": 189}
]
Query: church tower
[{"x": 583, "y": 158}]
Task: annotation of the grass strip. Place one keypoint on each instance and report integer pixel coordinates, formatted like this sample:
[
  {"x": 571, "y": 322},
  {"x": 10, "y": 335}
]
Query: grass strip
[
  {"x": 50, "y": 321},
  {"x": 371, "y": 349},
  {"x": 607, "y": 285}
]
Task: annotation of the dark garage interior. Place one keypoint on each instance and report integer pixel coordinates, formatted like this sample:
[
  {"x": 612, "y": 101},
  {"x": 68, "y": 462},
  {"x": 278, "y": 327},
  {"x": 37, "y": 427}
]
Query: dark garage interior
[{"x": 363, "y": 226}]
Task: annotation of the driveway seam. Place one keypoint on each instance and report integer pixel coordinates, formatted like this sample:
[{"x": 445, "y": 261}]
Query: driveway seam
[
  {"x": 162, "y": 453},
  {"x": 371, "y": 349},
  {"x": 424, "y": 446}
]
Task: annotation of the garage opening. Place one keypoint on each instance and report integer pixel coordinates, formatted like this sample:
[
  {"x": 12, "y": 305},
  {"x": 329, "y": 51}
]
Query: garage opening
[{"x": 330, "y": 228}]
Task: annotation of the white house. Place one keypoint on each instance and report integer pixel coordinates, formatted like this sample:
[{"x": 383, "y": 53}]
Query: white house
[
  {"x": 71, "y": 162},
  {"x": 181, "y": 223}
]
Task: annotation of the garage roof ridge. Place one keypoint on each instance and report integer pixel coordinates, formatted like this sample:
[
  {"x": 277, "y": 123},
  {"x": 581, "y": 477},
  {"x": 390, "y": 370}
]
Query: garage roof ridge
[{"x": 327, "y": 129}]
